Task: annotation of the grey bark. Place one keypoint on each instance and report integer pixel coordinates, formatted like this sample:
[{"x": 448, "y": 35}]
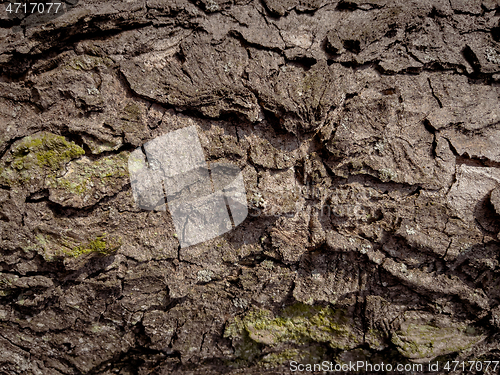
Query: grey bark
[{"x": 368, "y": 134}]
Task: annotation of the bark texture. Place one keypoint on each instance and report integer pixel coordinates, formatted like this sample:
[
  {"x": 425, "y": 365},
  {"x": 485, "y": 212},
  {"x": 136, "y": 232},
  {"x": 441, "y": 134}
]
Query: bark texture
[{"x": 368, "y": 133}]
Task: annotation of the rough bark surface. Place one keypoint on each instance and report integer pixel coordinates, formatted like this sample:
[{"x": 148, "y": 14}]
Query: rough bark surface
[{"x": 368, "y": 133}]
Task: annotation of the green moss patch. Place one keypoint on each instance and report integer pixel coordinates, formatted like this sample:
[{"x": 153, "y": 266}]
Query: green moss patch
[
  {"x": 85, "y": 175},
  {"x": 52, "y": 246},
  {"x": 88, "y": 62},
  {"x": 425, "y": 342},
  {"x": 37, "y": 156},
  {"x": 102, "y": 245},
  {"x": 298, "y": 324}
]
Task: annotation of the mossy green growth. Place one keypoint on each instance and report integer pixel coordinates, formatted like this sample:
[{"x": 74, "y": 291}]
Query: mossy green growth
[
  {"x": 88, "y": 62},
  {"x": 102, "y": 245},
  {"x": 54, "y": 246},
  {"x": 299, "y": 324},
  {"x": 45, "y": 150},
  {"x": 424, "y": 341},
  {"x": 86, "y": 175},
  {"x": 38, "y": 156}
]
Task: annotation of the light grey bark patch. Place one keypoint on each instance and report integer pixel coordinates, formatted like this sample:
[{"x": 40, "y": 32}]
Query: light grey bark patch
[{"x": 203, "y": 203}]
